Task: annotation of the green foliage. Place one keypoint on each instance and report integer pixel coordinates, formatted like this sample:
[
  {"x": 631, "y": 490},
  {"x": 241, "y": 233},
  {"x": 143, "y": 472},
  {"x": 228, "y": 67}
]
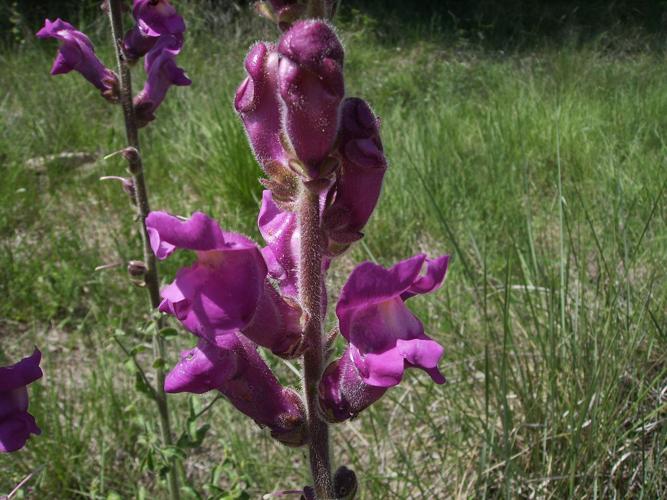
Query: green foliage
[{"x": 540, "y": 170}]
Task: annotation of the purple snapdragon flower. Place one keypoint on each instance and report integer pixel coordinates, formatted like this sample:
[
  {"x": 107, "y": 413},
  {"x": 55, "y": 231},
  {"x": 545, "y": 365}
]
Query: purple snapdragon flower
[
  {"x": 359, "y": 180},
  {"x": 76, "y": 52},
  {"x": 384, "y": 337},
  {"x": 311, "y": 85},
  {"x": 16, "y": 424},
  {"x": 153, "y": 18},
  {"x": 226, "y": 290},
  {"x": 162, "y": 71},
  {"x": 232, "y": 365}
]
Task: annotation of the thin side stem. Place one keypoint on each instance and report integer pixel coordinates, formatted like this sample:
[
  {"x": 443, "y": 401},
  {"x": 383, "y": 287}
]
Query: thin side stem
[
  {"x": 310, "y": 291},
  {"x": 151, "y": 278}
]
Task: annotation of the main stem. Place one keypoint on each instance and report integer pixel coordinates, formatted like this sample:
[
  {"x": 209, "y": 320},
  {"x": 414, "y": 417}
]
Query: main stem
[
  {"x": 151, "y": 279},
  {"x": 310, "y": 290}
]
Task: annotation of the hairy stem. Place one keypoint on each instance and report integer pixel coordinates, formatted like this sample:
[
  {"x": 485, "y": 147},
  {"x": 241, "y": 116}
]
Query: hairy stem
[
  {"x": 143, "y": 208},
  {"x": 310, "y": 292}
]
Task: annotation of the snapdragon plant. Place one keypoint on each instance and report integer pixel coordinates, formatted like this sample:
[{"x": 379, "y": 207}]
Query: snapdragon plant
[{"x": 322, "y": 155}]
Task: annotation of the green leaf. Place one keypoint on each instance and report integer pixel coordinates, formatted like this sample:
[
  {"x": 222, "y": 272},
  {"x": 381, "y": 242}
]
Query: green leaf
[
  {"x": 159, "y": 363},
  {"x": 168, "y": 332},
  {"x": 141, "y": 385}
]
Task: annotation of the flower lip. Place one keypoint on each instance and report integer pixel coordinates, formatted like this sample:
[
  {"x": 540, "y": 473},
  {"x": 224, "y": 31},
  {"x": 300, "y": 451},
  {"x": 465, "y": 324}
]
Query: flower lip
[{"x": 199, "y": 232}]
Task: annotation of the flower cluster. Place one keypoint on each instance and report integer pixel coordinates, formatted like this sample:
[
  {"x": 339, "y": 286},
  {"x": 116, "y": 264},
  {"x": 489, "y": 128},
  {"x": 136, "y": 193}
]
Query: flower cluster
[
  {"x": 306, "y": 134},
  {"x": 157, "y": 34},
  {"x": 16, "y": 424},
  {"x": 226, "y": 299}
]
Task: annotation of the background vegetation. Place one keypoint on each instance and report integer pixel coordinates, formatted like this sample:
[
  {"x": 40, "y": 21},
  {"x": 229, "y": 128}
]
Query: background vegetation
[{"x": 533, "y": 153}]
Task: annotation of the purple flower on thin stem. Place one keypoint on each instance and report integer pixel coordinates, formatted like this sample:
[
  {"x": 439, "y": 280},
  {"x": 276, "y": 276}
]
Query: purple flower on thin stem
[
  {"x": 160, "y": 66},
  {"x": 359, "y": 181},
  {"x": 226, "y": 290},
  {"x": 153, "y": 18},
  {"x": 76, "y": 52},
  {"x": 384, "y": 337},
  {"x": 16, "y": 424},
  {"x": 232, "y": 365},
  {"x": 311, "y": 85}
]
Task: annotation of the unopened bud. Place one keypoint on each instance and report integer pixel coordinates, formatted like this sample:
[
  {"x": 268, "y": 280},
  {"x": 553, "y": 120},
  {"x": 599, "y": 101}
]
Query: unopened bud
[
  {"x": 345, "y": 483},
  {"x": 126, "y": 183},
  {"x": 137, "y": 268},
  {"x": 130, "y": 154}
]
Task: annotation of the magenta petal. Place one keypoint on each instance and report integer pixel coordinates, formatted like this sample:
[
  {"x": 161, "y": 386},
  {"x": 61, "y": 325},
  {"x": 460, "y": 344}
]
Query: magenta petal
[
  {"x": 384, "y": 336},
  {"x": 423, "y": 353},
  {"x": 218, "y": 294},
  {"x": 15, "y": 431},
  {"x": 370, "y": 283},
  {"x": 233, "y": 366},
  {"x": 16, "y": 424},
  {"x": 281, "y": 233},
  {"x": 137, "y": 42},
  {"x": 22, "y": 373},
  {"x": 167, "y": 233},
  {"x": 61, "y": 65},
  {"x": 276, "y": 324},
  {"x": 384, "y": 369},
  {"x": 204, "y": 368},
  {"x": 431, "y": 280}
]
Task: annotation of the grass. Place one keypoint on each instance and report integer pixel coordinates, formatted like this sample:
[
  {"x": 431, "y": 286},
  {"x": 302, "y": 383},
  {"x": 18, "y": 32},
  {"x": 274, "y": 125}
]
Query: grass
[{"x": 541, "y": 170}]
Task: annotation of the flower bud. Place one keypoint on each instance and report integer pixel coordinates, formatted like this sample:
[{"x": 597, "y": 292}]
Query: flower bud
[
  {"x": 345, "y": 483},
  {"x": 343, "y": 392},
  {"x": 137, "y": 268},
  {"x": 359, "y": 181},
  {"x": 126, "y": 183},
  {"x": 311, "y": 85},
  {"x": 258, "y": 106}
]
